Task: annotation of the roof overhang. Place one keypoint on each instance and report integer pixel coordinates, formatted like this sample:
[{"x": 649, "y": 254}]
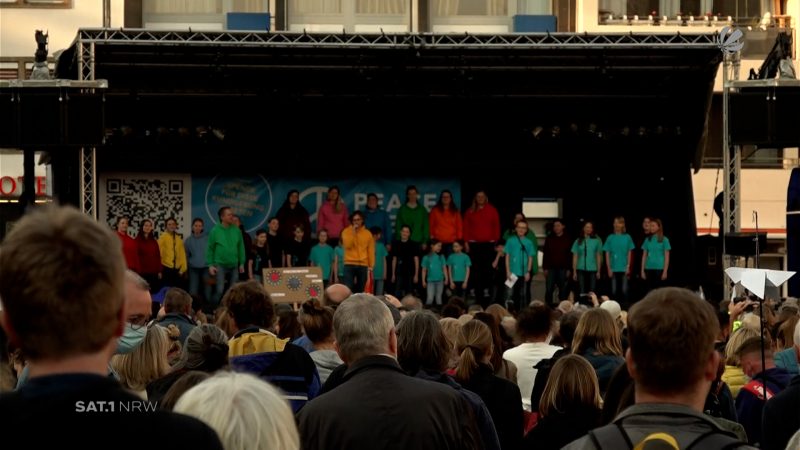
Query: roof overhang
[{"x": 507, "y": 83}]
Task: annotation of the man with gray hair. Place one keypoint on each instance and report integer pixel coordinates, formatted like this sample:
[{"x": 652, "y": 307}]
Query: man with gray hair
[{"x": 377, "y": 403}]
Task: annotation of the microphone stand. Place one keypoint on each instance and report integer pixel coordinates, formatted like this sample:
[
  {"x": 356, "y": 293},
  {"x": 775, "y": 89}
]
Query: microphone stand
[{"x": 762, "y": 317}]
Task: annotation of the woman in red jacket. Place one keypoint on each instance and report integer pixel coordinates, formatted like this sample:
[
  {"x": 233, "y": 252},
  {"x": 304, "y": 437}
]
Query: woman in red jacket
[
  {"x": 128, "y": 244},
  {"x": 149, "y": 255},
  {"x": 481, "y": 231}
]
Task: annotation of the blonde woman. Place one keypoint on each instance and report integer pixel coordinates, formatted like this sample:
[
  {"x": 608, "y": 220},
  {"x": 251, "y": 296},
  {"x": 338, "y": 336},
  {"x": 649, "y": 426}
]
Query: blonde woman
[
  {"x": 475, "y": 347},
  {"x": 451, "y": 328},
  {"x": 597, "y": 339},
  {"x": 146, "y": 363},
  {"x": 246, "y": 413},
  {"x": 570, "y": 405}
]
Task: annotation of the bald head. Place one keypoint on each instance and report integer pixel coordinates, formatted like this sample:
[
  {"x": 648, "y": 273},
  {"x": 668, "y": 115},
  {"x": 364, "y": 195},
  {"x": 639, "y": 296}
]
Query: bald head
[{"x": 335, "y": 294}]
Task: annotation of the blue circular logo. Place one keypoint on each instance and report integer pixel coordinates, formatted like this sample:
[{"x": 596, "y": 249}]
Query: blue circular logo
[{"x": 249, "y": 197}]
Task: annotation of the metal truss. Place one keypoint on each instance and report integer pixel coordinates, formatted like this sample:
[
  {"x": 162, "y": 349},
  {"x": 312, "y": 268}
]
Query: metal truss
[
  {"x": 732, "y": 162},
  {"x": 86, "y": 37},
  {"x": 88, "y": 156},
  {"x": 88, "y": 170},
  {"x": 85, "y": 51}
]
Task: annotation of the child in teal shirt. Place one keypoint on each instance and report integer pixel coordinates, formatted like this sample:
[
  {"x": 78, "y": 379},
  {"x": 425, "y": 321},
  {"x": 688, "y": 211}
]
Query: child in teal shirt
[
  {"x": 323, "y": 256},
  {"x": 338, "y": 263},
  {"x": 458, "y": 264},
  {"x": 434, "y": 274},
  {"x": 587, "y": 256},
  {"x": 655, "y": 256},
  {"x": 619, "y": 250},
  {"x": 379, "y": 271},
  {"x": 519, "y": 262}
]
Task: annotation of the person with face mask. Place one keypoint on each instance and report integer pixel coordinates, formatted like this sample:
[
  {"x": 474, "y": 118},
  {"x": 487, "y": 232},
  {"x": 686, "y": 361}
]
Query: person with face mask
[{"x": 138, "y": 308}]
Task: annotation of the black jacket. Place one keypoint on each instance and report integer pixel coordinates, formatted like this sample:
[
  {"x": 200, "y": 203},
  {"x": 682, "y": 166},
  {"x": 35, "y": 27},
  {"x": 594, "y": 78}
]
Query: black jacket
[
  {"x": 502, "y": 399},
  {"x": 378, "y": 406},
  {"x": 557, "y": 430},
  {"x": 781, "y": 417}
]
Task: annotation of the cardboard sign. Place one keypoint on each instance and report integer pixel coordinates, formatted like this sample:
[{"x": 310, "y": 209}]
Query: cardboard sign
[{"x": 293, "y": 284}]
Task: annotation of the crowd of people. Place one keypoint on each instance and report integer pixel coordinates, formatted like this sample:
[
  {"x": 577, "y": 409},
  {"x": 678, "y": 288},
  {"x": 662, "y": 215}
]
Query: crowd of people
[{"x": 90, "y": 354}]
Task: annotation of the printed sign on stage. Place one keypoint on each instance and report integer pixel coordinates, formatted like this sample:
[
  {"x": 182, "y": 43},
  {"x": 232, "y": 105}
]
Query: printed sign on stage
[
  {"x": 293, "y": 284},
  {"x": 139, "y": 196},
  {"x": 255, "y": 199}
]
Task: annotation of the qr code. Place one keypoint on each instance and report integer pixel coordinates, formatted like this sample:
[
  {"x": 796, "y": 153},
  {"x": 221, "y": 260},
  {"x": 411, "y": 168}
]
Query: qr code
[{"x": 140, "y": 198}]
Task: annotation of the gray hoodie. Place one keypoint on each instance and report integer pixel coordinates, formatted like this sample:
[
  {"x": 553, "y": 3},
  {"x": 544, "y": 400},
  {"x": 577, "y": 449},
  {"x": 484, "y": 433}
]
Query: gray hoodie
[{"x": 326, "y": 361}]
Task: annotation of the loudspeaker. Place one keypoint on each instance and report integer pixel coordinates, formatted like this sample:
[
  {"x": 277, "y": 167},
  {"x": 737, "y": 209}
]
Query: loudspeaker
[
  {"x": 765, "y": 116},
  {"x": 709, "y": 266},
  {"x": 744, "y": 244},
  {"x": 793, "y": 231}
]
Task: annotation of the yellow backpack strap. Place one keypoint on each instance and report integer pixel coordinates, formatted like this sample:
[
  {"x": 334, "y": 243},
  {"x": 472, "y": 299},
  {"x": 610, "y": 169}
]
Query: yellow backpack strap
[
  {"x": 610, "y": 437},
  {"x": 664, "y": 438}
]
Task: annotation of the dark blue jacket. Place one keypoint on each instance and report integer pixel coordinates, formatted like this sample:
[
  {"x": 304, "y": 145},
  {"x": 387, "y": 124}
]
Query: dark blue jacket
[{"x": 749, "y": 406}]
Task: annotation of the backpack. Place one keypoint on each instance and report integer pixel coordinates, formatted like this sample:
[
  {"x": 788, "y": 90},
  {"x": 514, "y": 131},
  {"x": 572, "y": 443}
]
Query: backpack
[{"x": 614, "y": 437}]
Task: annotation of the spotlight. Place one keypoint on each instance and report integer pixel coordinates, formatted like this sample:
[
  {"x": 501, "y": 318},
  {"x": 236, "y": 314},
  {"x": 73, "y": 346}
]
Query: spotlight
[{"x": 218, "y": 133}]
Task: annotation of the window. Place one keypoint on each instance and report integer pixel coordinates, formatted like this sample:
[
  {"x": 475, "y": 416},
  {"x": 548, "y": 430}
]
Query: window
[
  {"x": 182, "y": 7},
  {"x": 469, "y": 7},
  {"x": 250, "y": 6},
  {"x": 742, "y": 11},
  {"x": 381, "y": 6},
  {"x": 306, "y": 7},
  {"x": 36, "y": 3}
]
